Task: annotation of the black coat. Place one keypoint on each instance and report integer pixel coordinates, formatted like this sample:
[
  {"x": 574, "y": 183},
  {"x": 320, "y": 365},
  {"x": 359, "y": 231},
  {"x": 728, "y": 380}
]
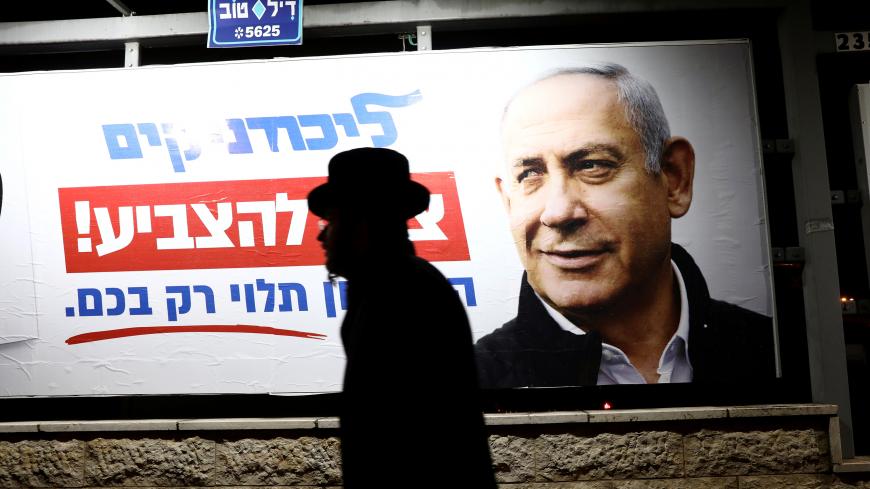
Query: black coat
[
  {"x": 411, "y": 414},
  {"x": 726, "y": 342}
]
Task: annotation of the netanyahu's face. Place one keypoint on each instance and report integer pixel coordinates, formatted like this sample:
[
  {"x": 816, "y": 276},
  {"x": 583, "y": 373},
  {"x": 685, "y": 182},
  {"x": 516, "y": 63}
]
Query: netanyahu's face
[{"x": 591, "y": 225}]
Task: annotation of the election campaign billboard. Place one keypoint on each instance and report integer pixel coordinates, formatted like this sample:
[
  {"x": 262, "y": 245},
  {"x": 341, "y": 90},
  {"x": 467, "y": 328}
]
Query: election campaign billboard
[{"x": 156, "y": 238}]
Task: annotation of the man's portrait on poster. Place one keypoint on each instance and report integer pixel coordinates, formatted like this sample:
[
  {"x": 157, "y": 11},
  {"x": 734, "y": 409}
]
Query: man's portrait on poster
[{"x": 591, "y": 181}]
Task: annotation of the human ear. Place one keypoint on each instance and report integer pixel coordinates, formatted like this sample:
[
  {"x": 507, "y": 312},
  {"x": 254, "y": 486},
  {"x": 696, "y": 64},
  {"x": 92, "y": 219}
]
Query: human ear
[{"x": 678, "y": 168}]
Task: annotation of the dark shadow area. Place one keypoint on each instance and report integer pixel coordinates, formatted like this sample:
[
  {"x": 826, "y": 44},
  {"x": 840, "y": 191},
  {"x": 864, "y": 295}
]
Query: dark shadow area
[
  {"x": 10, "y": 63},
  {"x": 840, "y": 15}
]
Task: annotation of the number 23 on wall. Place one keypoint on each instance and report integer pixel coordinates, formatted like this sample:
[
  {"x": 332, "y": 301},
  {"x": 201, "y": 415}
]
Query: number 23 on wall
[{"x": 852, "y": 41}]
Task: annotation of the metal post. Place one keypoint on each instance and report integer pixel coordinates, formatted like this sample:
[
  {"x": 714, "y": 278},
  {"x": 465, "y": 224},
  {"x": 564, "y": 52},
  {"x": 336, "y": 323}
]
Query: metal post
[
  {"x": 424, "y": 38},
  {"x": 131, "y": 54},
  {"x": 827, "y": 350},
  {"x": 120, "y": 7}
]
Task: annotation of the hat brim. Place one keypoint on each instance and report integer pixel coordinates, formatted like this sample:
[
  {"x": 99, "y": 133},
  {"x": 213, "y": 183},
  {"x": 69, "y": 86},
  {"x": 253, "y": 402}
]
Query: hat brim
[
  {"x": 408, "y": 201},
  {"x": 318, "y": 200}
]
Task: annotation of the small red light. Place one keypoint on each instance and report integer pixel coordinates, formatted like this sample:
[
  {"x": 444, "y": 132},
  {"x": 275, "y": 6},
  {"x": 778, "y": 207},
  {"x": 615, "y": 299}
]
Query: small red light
[{"x": 607, "y": 405}]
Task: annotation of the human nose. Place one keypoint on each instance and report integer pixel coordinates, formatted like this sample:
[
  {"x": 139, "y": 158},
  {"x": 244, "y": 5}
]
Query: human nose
[{"x": 563, "y": 205}]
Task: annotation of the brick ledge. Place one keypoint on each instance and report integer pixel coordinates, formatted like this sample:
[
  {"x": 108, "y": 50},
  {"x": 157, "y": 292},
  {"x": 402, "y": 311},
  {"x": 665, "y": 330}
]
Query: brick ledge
[{"x": 496, "y": 419}]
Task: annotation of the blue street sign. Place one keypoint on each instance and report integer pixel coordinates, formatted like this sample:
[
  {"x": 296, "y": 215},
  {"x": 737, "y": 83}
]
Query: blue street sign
[{"x": 243, "y": 23}]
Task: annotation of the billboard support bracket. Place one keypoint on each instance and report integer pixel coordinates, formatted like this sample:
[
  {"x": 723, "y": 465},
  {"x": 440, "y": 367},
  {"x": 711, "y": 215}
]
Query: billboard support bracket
[
  {"x": 131, "y": 54},
  {"x": 424, "y": 38}
]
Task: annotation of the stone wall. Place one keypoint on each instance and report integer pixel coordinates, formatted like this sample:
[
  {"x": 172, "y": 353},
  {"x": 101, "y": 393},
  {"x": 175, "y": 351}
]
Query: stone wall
[{"x": 530, "y": 451}]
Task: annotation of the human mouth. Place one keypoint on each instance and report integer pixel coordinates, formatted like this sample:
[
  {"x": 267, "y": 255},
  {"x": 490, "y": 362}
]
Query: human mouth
[{"x": 575, "y": 259}]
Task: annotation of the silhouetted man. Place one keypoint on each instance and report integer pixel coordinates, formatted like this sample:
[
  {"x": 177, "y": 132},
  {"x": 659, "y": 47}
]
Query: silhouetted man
[{"x": 411, "y": 415}]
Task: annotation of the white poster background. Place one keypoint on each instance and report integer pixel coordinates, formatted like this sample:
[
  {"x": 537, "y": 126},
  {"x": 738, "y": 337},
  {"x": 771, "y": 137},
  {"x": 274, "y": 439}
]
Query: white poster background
[
  {"x": 51, "y": 133},
  {"x": 17, "y": 299}
]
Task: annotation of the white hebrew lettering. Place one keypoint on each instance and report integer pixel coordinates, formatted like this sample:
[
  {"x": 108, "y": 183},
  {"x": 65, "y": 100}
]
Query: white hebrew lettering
[
  {"x": 299, "y": 208},
  {"x": 225, "y": 11},
  {"x": 110, "y": 242},
  {"x": 181, "y": 239},
  {"x": 83, "y": 224},
  {"x": 143, "y": 219},
  {"x": 266, "y": 209},
  {"x": 216, "y": 227},
  {"x": 246, "y": 234},
  {"x": 429, "y": 219}
]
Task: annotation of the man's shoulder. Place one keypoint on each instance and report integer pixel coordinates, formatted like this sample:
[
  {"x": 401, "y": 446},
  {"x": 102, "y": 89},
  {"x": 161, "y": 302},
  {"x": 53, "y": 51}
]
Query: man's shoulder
[
  {"x": 532, "y": 328},
  {"x": 496, "y": 357},
  {"x": 733, "y": 344},
  {"x": 531, "y": 350},
  {"x": 728, "y": 324},
  {"x": 726, "y": 312},
  {"x": 503, "y": 338},
  {"x": 727, "y": 342},
  {"x": 710, "y": 312}
]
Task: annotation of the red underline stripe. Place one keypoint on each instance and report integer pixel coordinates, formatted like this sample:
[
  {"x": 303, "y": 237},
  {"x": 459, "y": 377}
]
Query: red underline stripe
[{"x": 205, "y": 328}]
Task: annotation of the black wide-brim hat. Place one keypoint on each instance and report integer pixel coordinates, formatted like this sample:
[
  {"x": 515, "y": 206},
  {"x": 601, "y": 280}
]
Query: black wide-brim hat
[{"x": 375, "y": 179}]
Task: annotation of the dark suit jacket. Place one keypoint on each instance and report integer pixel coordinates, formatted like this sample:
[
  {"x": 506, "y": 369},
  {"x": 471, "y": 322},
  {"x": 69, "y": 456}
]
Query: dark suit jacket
[
  {"x": 411, "y": 413},
  {"x": 726, "y": 343}
]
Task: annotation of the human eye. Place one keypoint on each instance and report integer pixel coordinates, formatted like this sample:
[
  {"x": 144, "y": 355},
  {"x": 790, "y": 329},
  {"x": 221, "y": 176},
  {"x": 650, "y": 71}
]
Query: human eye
[
  {"x": 527, "y": 173},
  {"x": 527, "y": 170},
  {"x": 595, "y": 170}
]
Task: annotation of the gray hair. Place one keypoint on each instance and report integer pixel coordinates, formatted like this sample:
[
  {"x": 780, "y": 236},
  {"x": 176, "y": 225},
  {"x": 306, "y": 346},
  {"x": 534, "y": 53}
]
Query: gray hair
[{"x": 641, "y": 103}]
